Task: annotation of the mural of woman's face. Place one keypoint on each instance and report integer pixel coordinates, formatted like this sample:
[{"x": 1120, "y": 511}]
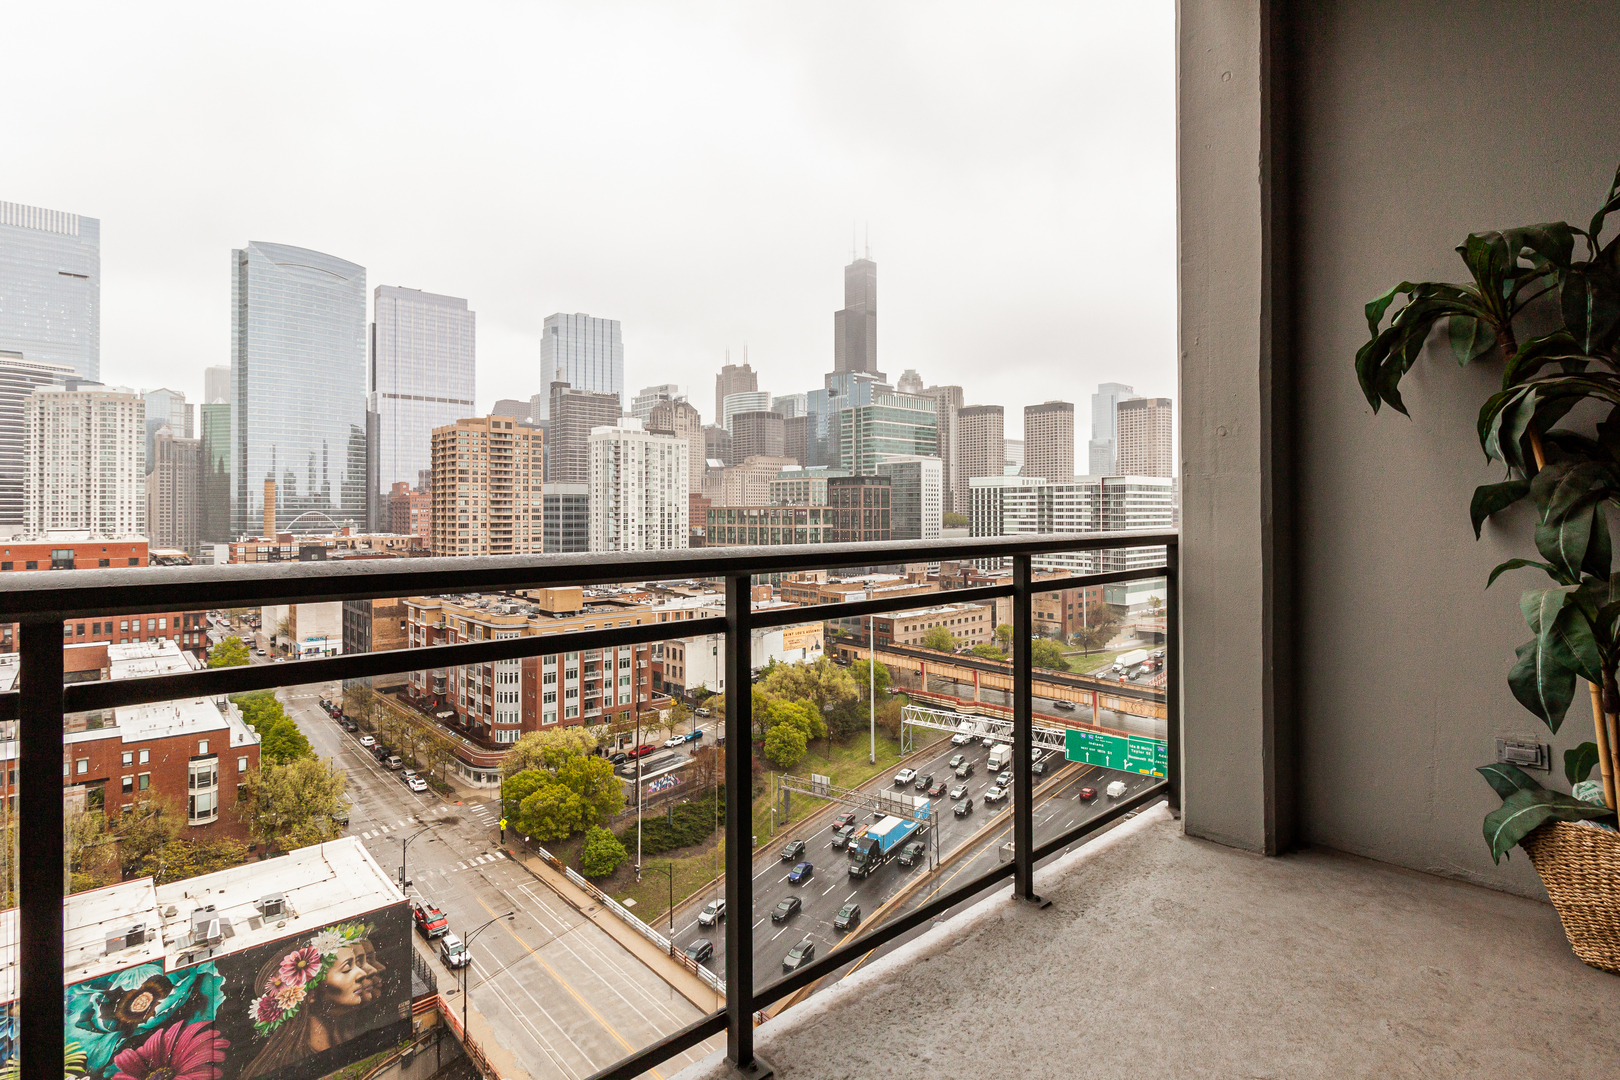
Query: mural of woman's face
[
  {"x": 346, "y": 981},
  {"x": 366, "y": 954}
]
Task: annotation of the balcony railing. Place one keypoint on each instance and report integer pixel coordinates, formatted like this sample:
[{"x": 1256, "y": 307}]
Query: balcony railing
[{"x": 42, "y": 601}]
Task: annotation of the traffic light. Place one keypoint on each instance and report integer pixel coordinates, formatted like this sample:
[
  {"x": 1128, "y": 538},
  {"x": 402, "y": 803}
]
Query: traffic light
[{"x": 503, "y": 830}]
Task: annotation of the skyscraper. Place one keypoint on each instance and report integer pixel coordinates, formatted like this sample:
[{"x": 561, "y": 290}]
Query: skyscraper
[
  {"x": 487, "y": 493},
  {"x": 981, "y": 447},
  {"x": 173, "y": 490},
  {"x": 18, "y": 378},
  {"x": 50, "y": 287},
  {"x": 86, "y": 459},
  {"x": 166, "y": 408},
  {"x": 214, "y": 485},
  {"x": 756, "y": 434},
  {"x": 638, "y": 489},
  {"x": 1103, "y": 446},
  {"x": 642, "y": 405},
  {"x": 574, "y": 413},
  {"x": 298, "y": 388},
  {"x": 217, "y": 385},
  {"x": 1049, "y": 441},
  {"x": 1145, "y": 438},
  {"x": 584, "y": 352},
  {"x": 568, "y": 518},
  {"x": 681, "y": 419},
  {"x": 855, "y": 327},
  {"x": 892, "y": 424},
  {"x": 916, "y": 495},
  {"x": 743, "y": 401},
  {"x": 423, "y": 356},
  {"x": 790, "y": 405},
  {"x": 733, "y": 379},
  {"x": 947, "y": 402},
  {"x": 910, "y": 382}
]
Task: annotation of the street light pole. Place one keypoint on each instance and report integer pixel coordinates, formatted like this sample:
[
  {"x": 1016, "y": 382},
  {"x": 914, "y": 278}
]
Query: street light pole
[
  {"x": 468, "y": 966},
  {"x": 670, "y": 874},
  {"x": 404, "y": 845},
  {"x": 871, "y": 677}
]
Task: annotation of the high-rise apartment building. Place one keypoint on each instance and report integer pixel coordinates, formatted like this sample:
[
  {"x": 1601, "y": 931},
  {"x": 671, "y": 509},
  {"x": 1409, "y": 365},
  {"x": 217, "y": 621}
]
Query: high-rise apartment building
[
  {"x": 86, "y": 459},
  {"x": 916, "y": 495},
  {"x": 410, "y": 512},
  {"x": 733, "y": 379},
  {"x": 1146, "y": 438},
  {"x": 892, "y": 424},
  {"x": 947, "y": 403},
  {"x": 487, "y": 488},
  {"x": 650, "y": 397},
  {"x": 1031, "y": 506},
  {"x": 50, "y": 287},
  {"x": 568, "y": 518},
  {"x": 1049, "y": 440},
  {"x": 584, "y": 352},
  {"x": 1103, "y": 447},
  {"x": 516, "y": 408},
  {"x": 166, "y": 408},
  {"x": 574, "y": 412},
  {"x": 741, "y": 402},
  {"x": 748, "y": 483},
  {"x": 717, "y": 444},
  {"x": 790, "y": 405},
  {"x": 214, "y": 483},
  {"x": 910, "y": 382},
  {"x": 855, "y": 327},
  {"x": 861, "y": 508},
  {"x": 18, "y": 378},
  {"x": 173, "y": 492},
  {"x": 981, "y": 447},
  {"x": 217, "y": 385},
  {"x": 757, "y": 434},
  {"x": 298, "y": 389},
  {"x": 638, "y": 496},
  {"x": 798, "y": 438},
  {"x": 680, "y": 418},
  {"x": 1013, "y": 455}
]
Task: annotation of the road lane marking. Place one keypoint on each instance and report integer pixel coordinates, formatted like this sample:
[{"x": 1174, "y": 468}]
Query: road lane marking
[
  {"x": 783, "y": 878},
  {"x": 850, "y": 897},
  {"x": 829, "y": 888},
  {"x": 779, "y": 933}
]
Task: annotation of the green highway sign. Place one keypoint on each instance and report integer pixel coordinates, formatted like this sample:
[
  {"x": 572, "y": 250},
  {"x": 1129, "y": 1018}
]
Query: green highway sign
[{"x": 1127, "y": 753}]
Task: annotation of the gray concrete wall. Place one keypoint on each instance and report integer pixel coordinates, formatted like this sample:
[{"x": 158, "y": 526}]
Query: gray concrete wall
[{"x": 1416, "y": 125}]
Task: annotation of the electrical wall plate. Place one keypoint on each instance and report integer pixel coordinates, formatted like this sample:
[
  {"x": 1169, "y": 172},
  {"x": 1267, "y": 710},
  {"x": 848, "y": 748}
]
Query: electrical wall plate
[{"x": 1525, "y": 753}]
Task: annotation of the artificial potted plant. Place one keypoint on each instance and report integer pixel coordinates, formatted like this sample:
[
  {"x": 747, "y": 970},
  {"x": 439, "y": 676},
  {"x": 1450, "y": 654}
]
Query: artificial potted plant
[{"x": 1544, "y": 301}]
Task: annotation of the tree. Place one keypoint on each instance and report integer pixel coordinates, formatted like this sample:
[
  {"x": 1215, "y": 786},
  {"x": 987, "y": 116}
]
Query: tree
[
  {"x": 516, "y": 788},
  {"x": 142, "y": 830},
  {"x": 603, "y": 853},
  {"x": 817, "y": 684},
  {"x": 280, "y": 741},
  {"x": 1098, "y": 631},
  {"x": 546, "y": 749},
  {"x": 953, "y": 520},
  {"x": 988, "y": 652},
  {"x": 551, "y": 812},
  {"x": 678, "y": 715},
  {"x": 709, "y": 766},
  {"x": 939, "y": 638},
  {"x": 600, "y": 793},
  {"x": 293, "y": 805},
  {"x": 1004, "y": 634},
  {"x": 799, "y": 714},
  {"x": 231, "y": 652},
  {"x": 92, "y": 852},
  {"x": 879, "y": 678},
  {"x": 1044, "y": 653},
  {"x": 359, "y": 702},
  {"x": 179, "y": 859},
  {"x": 785, "y": 745}
]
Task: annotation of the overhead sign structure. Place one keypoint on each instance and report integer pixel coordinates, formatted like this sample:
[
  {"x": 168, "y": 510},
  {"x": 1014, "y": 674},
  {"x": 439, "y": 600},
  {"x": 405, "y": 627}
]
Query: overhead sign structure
[{"x": 1126, "y": 753}]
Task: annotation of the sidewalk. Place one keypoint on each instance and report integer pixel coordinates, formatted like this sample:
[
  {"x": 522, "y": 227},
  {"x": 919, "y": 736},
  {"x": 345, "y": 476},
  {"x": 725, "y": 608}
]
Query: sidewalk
[{"x": 662, "y": 964}]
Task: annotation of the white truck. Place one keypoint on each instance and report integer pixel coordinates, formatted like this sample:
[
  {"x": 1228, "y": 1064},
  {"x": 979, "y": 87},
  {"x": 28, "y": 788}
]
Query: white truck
[
  {"x": 1000, "y": 756},
  {"x": 1126, "y": 661}
]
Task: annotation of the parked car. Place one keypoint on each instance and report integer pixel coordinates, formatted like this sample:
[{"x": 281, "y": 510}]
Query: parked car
[
  {"x": 695, "y": 735},
  {"x": 793, "y": 850},
  {"x": 643, "y": 750},
  {"x": 618, "y": 757},
  {"x": 904, "y": 777},
  {"x": 430, "y": 921},
  {"x": 701, "y": 712},
  {"x": 395, "y": 762},
  {"x": 801, "y": 874},
  {"x": 1087, "y": 794},
  {"x": 407, "y": 774},
  {"x": 341, "y": 816},
  {"x": 786, "y": 909},
  {"x": 1116, "y": 789},
  {"x": 453, "y": 952},
  {"x": 417, "y": 784},
  {"x": 350, "y": 725},
  {"x": 925, "y": 782},
  {"x": 713, "y": 913},
  {"x": 1063, "y": 704},
  {"x": 845, "y": 818},
  {"x": 848, "y": 917},
  {"x": 841, "y": 838},
  {"x": 957, "y": 792},
  {"x": 700, "y": 951},
  {"x": 937, "y": 790},
  {"x": 912, "y": 854},
  {"x": 367, "y": 741},
  {"x": 963, "y": 808},
  {"x": 674, "y": 740},
  {"x": 799, "y": 955},
  {"x": 956, "y": 761}
]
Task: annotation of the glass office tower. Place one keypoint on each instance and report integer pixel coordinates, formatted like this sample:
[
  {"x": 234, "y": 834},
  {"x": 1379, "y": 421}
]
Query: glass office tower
[
  {"x": 50, "y": 287},
  {"x": 423, "y": 348},
  {"x": 298, "y": 390},
  {"x": 583, "y": 352}
]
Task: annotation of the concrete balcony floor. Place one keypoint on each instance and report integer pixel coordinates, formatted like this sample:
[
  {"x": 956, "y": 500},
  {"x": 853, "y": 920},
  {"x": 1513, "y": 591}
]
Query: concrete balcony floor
[{"x": 1167, "y": 956}]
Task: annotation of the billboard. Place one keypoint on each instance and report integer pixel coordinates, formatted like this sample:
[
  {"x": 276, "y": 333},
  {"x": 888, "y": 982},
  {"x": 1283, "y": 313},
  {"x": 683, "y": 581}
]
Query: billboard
[
  {"x": 1126, "y": 753},
  {"x": 297, "y": 1008}
]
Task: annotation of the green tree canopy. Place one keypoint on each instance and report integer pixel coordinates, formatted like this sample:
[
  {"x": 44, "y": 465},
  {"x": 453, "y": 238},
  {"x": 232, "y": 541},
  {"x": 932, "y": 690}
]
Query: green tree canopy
[
  {"x": 546, "y": 749},
  {"x": 817, "y": 684},
  {"x": 785, "y": 745},
  {"x": 879, "y": 678},
  {"x": 1045, "y": 653},
  {"x": 516, "y": 788},
  {"x": 600, "y": 792},
  {"x": 280, "y": 741},
  {"x": 179, "y": 859},
  {"x": 939, "y": 638},
  {"x": 551, "y": 805},
  {"x": 603, "y": 853},
  {"x": 1004, "y": 634},
  {"x": 953, "y": 520},
  {"x": 800, "y": 714},
  {"x": 293, "y": 805},
  {"x": 989, "y": 652},
  {"x": 552, "y": 812},
  {"x": 231, "y": 652}
]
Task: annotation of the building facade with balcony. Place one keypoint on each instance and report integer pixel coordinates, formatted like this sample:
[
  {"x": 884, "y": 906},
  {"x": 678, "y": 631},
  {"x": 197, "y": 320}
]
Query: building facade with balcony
[{"x": 488, "y": 479}]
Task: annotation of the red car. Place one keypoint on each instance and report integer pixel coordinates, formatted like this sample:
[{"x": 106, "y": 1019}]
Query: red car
[
  {"x": 846, "y": 818},
  {"x": 1087, "y": 794},
  {"x": 643, "y": 750}
]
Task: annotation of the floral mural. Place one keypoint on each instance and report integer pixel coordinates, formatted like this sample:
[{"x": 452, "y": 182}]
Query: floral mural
[{"x": 295, "y": 1009}]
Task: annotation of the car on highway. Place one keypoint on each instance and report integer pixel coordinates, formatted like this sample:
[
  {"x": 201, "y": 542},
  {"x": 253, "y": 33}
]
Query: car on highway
[
  {"x": 793, "y": 850},
  {"x": 417, "y": 784},
  {"x": 845, "y": 818},
  {"x": 799, "y": 955},
  {"x": 1039, "y": 768},
  {"x": 1062, "y": 703},
  {"x": 700, "y": 951},
  {"x": 842, "y": 837},
  {"x": 712, "y": 913},
  {"x": 674, "y": 740},
  {"x": 956, "y": 761},
  {"x": 904, "y": 777},
  {"x": 963, "y": 808},
  {"x": 786, "y": 909},
  {"x": 1087, "y": 794},
  {"x": 801, "y": 874},
  {"x": 961, "y": 738},
  {"x": 912, "y": 853},
  {"x": 989, "y": 740},
  {"x": 964, "y": 770},
  {"x": 924, "y": 782},
  {"x": 937, "y": 790},
  {"x": 1116, "y": 789},
  {"x": 453, "y": 952},
  {"x": 995, "y": 793},
  {"x": 848, "y": 917},
  {"x": 367, "y": 741},
  {"x": 958, "y": 792},
  {"x": 1005, "y": 779}
]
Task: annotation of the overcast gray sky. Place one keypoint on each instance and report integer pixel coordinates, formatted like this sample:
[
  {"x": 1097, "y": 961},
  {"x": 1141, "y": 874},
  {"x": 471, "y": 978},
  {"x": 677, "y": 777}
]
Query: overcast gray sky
[{"x": 690, "y": 169}]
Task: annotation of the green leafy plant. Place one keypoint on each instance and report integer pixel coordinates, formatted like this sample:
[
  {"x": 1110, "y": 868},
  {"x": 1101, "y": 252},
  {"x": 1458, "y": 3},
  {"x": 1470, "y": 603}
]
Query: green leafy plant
[{"x": 1530, "y": 284}]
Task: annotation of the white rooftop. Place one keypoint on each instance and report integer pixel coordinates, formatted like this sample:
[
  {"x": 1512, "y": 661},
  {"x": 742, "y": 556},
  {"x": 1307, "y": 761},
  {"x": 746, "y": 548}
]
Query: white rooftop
[{"x": 140, "y": 659}]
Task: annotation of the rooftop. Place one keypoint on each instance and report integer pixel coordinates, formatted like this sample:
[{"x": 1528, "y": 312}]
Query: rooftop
[{"x": 140, "y": 659}]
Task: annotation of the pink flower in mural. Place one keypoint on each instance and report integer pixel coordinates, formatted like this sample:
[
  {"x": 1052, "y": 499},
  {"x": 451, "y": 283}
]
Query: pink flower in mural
[
  {"x": 290, "y": 997},
  {"x": 177, "y": 1052},
  {"x": 268, "y": 1009},
  {"x": 300, "y": 966}
]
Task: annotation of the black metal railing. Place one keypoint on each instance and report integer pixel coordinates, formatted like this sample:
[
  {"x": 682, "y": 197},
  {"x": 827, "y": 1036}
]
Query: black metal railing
[{"x": 42, "y": 601}]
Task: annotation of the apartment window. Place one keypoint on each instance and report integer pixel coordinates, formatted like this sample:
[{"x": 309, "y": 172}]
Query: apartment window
[
  {"x": 129, "y": 757},
  {"x": 123, "y": 626},
  {"x": 129, "y": 784},
  {"x": 570, "y": 711},
  {"x": 84, "y": 766},
  {"x": 151, "y": 624},
  {"x": 571, "y": 692},
  {"x": 549, "y": 677},
  {"x": 104, "y": 562},
  {"x": 146, "y": 756},
  {"x": 32, "y": 564},
  {"x": 549, "y": 697},
  {"x": 163, "y": 623},
  {"x": 241, "y": 764},
  {"x": 80, "y": 630},
  {"x": 145, "y": 781},
  {"x": 549, "y": 718},
  {"x": 95, "y": 629}
]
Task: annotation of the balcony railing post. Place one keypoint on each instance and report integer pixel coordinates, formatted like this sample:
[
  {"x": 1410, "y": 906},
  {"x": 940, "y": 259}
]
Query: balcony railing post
[
  {"x": 1172, "y": 676},
  {"x": 39, "y": 879},
  {"x": 1023, "y": 733},
  {"x": 739, "y": 722}
]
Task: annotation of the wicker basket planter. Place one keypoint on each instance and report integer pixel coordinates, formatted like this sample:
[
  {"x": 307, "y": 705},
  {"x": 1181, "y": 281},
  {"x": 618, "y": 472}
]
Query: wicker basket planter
[{"x": 1579, "y": 864}]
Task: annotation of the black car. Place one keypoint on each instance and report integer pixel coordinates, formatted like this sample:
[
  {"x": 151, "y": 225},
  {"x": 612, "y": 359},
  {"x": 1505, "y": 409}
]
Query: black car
[
  {"x": 799, "y": 955},
  {"x": 841, "y": 837},
  {"x": 964, "y": 808},
  {"x": 350, "y": 725},
  {"x": 911, "y": 854},
  {"x": 925, "y": 782},
  {"x": 700, "y": 950},
  {"x": 618, "y": 758},
  {"x": 848, "y": 917},
  {"x": 794, "y": 849},
  {"x": 786, "y": 909}
]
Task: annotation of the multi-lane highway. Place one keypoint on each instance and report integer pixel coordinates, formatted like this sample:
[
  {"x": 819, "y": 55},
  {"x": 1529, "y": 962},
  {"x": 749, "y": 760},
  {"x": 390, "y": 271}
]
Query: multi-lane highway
[{"x": 559, "y": 994}]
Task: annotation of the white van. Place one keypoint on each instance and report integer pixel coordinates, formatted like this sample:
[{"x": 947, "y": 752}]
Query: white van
[{"x": 1116, "y": 789}]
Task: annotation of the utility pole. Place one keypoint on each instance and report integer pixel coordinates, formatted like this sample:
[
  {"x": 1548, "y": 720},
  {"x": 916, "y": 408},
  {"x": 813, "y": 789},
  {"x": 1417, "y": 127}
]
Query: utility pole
[
  {"x": 465, "y": 968},
  {"x": 871, "y": 677}
]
